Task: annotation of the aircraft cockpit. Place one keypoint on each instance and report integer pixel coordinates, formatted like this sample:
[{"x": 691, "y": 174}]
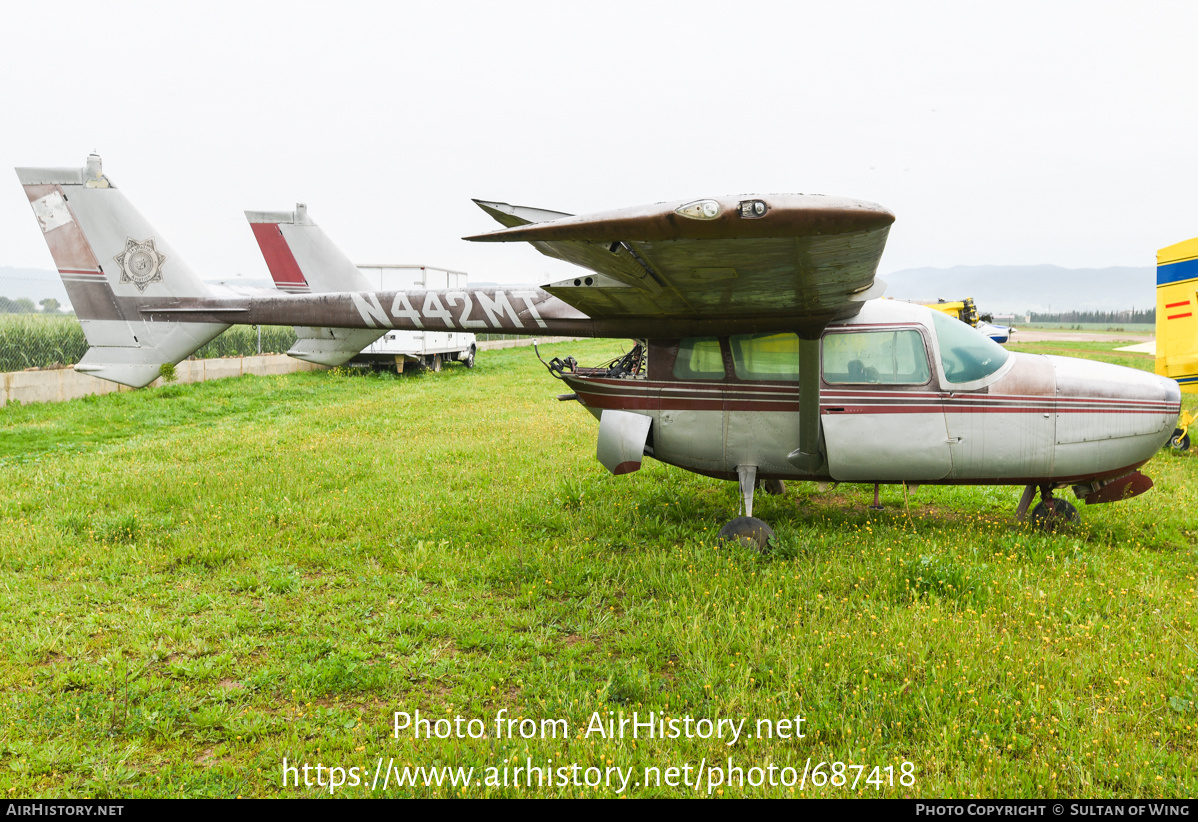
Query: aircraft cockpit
[{"x": 965, "y": 354}]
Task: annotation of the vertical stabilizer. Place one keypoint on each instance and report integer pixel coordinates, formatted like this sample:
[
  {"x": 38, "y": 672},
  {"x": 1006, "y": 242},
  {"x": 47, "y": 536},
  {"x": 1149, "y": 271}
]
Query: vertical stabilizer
[
  {"x": 111, "y": 260},
  {"x": 303, "y": 260},
  {"x": 1177, "y": 314}
]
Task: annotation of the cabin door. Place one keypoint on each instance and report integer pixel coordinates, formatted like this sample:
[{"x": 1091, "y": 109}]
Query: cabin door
[{"x": 883, "y": 419}]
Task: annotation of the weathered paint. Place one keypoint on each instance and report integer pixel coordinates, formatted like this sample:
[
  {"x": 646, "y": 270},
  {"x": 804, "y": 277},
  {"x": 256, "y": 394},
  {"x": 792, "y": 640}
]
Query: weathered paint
[{"x": 111, "y": 259}]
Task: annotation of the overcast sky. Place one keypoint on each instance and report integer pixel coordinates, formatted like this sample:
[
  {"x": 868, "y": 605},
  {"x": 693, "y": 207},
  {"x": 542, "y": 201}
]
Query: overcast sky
[{"x": 998, "y": 133}]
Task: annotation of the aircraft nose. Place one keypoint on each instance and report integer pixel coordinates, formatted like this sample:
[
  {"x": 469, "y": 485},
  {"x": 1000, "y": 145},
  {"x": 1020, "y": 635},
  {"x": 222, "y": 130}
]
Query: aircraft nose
[
  {"x": 1172, "y": 391},
  {"x": 1103, "y": 402}
]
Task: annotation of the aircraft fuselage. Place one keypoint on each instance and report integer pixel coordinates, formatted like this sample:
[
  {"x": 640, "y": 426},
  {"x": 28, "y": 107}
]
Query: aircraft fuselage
[{"x": 1032, "y": 419}]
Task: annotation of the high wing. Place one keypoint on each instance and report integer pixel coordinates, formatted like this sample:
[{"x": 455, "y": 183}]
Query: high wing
[{"x": 794, "y": 259}]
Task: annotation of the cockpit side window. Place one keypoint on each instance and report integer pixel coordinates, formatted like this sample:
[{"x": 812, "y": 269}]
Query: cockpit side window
[
  {"x": 773, "y": 357},
  {"x": 699, "y": 358},
  {"x": 894, "y": 357},
  {"x": 966, "y": 354}
]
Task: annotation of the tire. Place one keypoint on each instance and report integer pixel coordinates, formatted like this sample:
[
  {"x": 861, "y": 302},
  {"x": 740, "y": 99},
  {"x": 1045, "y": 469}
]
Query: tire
[
  {"x": 750, "y": 531},
  {"x": 469, "y": 361},
  {"x": 436, "y": 366},
  {"x": 1180, "y": 441},
  {"x": 1060, "y": 513}
]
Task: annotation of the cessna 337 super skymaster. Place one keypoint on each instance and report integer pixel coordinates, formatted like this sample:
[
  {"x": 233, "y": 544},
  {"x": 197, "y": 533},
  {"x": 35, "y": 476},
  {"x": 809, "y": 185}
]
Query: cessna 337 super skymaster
[{"x": 761, "y": 354}]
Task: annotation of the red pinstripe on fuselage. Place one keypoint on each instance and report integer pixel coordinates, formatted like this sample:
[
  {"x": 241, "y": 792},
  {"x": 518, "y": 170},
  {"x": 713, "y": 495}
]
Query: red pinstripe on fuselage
[{"x": 638, "y": 394}]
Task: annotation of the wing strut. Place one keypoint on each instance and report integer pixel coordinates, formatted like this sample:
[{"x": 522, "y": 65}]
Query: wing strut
[{"x": 807, "y": 456}]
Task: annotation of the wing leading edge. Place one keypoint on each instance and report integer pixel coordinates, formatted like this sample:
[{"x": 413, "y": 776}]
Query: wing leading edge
[{"x": 800, "y": 261}]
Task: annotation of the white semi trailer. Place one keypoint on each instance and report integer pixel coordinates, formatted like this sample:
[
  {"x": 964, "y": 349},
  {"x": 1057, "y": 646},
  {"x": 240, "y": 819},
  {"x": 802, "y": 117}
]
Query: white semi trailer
[{"x": 428, "y": 349}]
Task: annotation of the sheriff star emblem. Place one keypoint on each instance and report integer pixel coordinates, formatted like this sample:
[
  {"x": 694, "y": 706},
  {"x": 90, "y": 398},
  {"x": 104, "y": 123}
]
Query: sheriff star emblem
[{"x": 141, "y": 263}]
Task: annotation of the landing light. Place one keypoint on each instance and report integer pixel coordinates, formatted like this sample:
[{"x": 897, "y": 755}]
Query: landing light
[
  {"x": 752, "y": 209},
  {"x": 699, "y": 210}
]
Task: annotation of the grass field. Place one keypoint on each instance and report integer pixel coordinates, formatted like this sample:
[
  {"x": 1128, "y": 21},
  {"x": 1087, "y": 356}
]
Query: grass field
[
  {"x": 1129, "y": 328},
  {"x": 202, "y": 580}
]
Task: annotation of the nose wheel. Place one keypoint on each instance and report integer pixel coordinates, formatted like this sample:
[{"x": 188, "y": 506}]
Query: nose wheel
[
  {"x": 748, "y": 529},
  {"x": 751, "y": 531},
  {"x": 1051, "y": 511}
]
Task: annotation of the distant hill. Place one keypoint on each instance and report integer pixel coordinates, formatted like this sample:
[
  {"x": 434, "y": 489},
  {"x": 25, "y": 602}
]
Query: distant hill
[{"x": 1018, "y": 288}]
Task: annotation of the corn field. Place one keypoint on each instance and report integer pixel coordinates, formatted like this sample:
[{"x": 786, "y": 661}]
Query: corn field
[{"x": 56, "y": 341}]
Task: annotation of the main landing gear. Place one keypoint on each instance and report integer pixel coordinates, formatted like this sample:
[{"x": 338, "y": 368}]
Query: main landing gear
[
  {"x": 1050, "y": 512},
  {"x": 749, "y": 529}
]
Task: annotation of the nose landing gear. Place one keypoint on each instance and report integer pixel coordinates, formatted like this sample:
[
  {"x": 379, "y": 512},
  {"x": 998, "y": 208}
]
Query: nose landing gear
[
  {"x": 1050, "y": 512},
  {"x": 748, "y": 529}
]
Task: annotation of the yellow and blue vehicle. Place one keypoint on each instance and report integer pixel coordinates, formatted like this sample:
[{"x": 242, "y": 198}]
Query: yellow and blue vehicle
[{"x": 1177, "y": 323}]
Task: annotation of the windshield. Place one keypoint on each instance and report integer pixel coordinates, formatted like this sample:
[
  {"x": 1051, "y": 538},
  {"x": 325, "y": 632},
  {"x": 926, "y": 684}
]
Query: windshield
[{"x": 966, "y": 354}]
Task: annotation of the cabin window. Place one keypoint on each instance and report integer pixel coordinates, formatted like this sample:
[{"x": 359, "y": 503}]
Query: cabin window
[
  {"x": 965, "y": 353},
  {"x": 699, "y": 358},
  {"x": 766, "y": 357},
  {"x": 882, "y": 357}
]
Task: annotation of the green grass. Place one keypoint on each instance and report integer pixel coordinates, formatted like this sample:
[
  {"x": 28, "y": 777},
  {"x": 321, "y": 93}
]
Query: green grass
[
  {"x": 1114, "y": 328},
  {"x": 1092, "y": 350},
  {"x": 201, "y": 580}
]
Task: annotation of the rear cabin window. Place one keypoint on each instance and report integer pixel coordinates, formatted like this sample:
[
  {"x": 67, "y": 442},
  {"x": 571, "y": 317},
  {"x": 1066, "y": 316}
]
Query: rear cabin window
[
  {"x": 965, "y": 353},
  {"x": 766, "y": 357},
  {"x": 881, "y": 357},
  {"x": 699, "y": 358}
]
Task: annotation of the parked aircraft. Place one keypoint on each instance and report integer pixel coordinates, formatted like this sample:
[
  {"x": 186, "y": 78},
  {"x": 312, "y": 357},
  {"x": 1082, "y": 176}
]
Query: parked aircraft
[
  {"x": 1176, "y": 346},
  {"x": 761, "y": 354},
  {"x": 967, "y": 312}
]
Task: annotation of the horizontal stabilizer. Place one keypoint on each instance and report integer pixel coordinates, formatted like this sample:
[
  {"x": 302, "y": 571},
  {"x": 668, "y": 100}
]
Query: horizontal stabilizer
[{"x": 331, "y": 346}]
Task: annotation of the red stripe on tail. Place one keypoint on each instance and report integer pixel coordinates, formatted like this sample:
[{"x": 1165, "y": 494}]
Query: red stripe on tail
[{"x": 284, "y": 270}]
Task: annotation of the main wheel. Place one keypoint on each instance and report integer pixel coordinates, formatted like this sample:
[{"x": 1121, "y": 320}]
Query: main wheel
[
  {"x": 1058, "y": 511},
  {"x": 1180, "y": 441},
  {"x": 750, "y": 531}
]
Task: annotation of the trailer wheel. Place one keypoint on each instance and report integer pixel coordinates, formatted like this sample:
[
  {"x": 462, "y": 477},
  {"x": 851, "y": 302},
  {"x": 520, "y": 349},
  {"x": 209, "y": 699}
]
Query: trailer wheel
[
  {"x": 436, "y": 366},
  {"x": 469, "y": 361}
]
